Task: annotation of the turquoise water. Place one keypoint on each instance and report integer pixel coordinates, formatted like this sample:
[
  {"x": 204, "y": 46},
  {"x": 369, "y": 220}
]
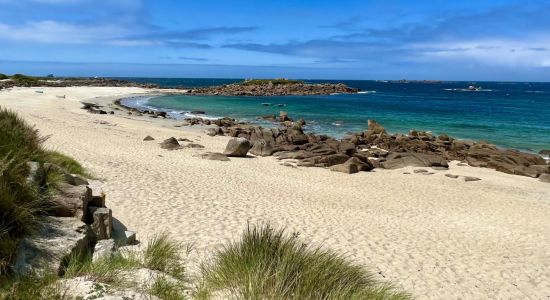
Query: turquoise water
[{"x": 512, "y": 115}]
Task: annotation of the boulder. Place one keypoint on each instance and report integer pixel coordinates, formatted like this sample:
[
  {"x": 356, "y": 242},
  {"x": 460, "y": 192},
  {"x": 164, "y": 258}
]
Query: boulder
[
  {"x": 283, "y": 116},
  {"x": 71, "y": 201},
  {"x": 148, "y": 138},
  {"x": 545, "y": 177},
  {"x": 98, "y": 195},
  {"x": 215, "y": 156},
  {"x": 237, "y": 147},
  {"x": 544, "y": 152},
  {"x": 74, "y": 179},
  {"x": 470, "y": 178},
  {"x": 352, "y": 165},
  {"x": 49, "y": 250},
  {"x": 170, "y": 144},
  {"x": 102, "y": 226},
  {"x": 262, "y": 148},
  {"x": 324, "y": 160},
  {"x": 195, "y": 146},
  {"x": 452, "y": 176},
  {"x": 409, "y": 159},
  {"x": 104, "y": 249}
]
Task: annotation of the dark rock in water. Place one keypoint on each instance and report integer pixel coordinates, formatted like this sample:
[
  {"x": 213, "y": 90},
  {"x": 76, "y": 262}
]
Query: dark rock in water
[
  {"x": 215, "y": 156},
  {"x": 170, "y": 144},
  {"x": 148, "y": 138},
  {"x": 162, "y": 114},
  {"x": 283, "y": 116},
  {"x": 271, "y": 118},
  {"x": 262, "y": 148},
  {"x": 273, "y": 88},
  {"x": 198, "y": 112},
  {"x": 544, "y": 152},
  {"x": 237, "y": 147},
  {"x": 469, "y": 178},
  {"x": 545, "y": 177}
]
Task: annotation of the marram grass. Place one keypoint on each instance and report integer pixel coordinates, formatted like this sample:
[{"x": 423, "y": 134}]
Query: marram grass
[{"x": 270, "y": 264}]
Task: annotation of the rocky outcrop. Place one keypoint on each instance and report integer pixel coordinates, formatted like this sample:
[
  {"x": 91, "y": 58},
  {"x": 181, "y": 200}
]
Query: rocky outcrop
[
  {"x": 265, "y": 88},
  {"x": 78, "y": 224},
  {"x": 351, "y": 166}
]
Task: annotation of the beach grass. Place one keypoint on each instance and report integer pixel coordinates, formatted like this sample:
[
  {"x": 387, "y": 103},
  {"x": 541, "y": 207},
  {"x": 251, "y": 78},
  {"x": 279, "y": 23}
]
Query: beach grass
[
  {"x": 108, "y": 270},
  {"x": 45, "y": 287},
  {"x": 166, "y": 289},
  {"x": 163, "y": 254},
  {"x": 22, "y": 203},
  {"x": 269, "y": 264}
]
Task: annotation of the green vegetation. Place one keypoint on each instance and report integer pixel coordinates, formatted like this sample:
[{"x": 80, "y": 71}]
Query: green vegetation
[
  {"x": 164, "y": 255},
  {"x": 32, "y": 288},
  {"x": 107, "y": 270},
  {"x": 278, "y": 81},
  {"x": 268, "y": 264},
  {"x": 3, "y": 76},
  {"x": 166, "y": 289},
  {"x": 24, "y": 80},
  {"x": 22, "y": 203}
]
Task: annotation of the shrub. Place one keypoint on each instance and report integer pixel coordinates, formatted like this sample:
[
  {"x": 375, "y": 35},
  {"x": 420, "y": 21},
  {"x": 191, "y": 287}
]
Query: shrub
[
  {"x": 16, "y": 136},
  {"x": 166, "y": 289},
  {"x": 36, "y": 288},
  {"x": 269, "y": 264},
  {"x": 3, "y": 76},
  {"x": 24, "y": 80}
]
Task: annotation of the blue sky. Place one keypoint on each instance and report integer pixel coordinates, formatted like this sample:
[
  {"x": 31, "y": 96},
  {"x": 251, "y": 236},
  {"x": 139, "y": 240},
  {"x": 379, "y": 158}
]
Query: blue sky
[{"x": 390, "y": 39}]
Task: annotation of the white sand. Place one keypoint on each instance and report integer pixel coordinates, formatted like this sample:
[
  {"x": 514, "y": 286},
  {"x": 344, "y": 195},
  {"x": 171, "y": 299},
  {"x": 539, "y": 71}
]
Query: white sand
[{"x": 437, "y": 237}]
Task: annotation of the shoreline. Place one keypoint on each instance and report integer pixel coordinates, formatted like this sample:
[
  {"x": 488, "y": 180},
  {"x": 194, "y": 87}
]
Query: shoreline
[
  {"x": 520, "y": 169},
  {"x": 435, "y": 236}
]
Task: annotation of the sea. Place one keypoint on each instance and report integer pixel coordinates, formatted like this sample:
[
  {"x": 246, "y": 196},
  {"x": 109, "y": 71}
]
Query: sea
[{"x": 507, "y": 114}]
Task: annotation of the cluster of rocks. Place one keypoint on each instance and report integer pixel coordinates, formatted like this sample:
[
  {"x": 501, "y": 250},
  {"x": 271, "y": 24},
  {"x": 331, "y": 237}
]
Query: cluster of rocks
[
  {"x": 375, "y": 148},
  {"x": 140, "y": 112},
  {"x": 79, "y": 224},
  {"x": 68, "y": 82},
  {"x": 271, "y": 89}
]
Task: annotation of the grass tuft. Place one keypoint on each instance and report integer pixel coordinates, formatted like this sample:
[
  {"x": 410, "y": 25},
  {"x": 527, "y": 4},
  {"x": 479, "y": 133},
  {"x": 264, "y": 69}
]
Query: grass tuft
[
  {"x": 163, "y": 254},
  {"x": 166, "y": 289},
  {"x": 269, "y": 264}
]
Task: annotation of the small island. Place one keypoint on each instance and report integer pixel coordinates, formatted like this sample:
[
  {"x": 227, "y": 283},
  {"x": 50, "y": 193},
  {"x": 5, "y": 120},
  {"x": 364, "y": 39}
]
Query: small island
[{"x": 274, "y": 87}]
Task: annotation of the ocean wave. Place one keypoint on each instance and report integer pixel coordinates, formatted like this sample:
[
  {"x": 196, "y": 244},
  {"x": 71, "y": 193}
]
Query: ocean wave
[{"x": 366, "y": 92}]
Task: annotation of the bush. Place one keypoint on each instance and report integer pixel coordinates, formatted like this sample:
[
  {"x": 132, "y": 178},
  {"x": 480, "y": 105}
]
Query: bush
[
  {"x": 268, "y": 264},
  {"x": 24, "y": 80},
  {"x": 3, "y": 76},
  {"x": 16, "y": 136}
]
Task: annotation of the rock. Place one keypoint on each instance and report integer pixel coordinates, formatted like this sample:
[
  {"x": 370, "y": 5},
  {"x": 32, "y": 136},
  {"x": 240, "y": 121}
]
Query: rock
[
  {"x": 71, "y": 201},
  {"x": 130, "y": 237},
  {"x": 49, "y": 249},
  {"x": 237, "y": 147},
  {"x": 102, "y": 225},
  {"x": 262, "y": 148},
  {"x": 214, "y": 131},
  {"x": 215, "y": 156},
  {"x": 420, "y": 171},
  {"x": 438, "y": 168},
  {"x": 324, "y": 160},
  {"x": 198, "y": 112},
  {"x": 283, "y": 116},
  {"x": 352, "y": 165},
  {"x": 469, "y": 178},
  {"x": 98, "y": 195},
  {"x": 195, "y": 146},
  {"x": 104, "y": 249},
  {"x": 148, "y": 138},
  {"x": 544, "y": 177},
  {"x": 451, "y": 176},
  {"x": 400, "y": 160},
  {"x": 170, "y": 144},
  {"x": 544, "y": 152},
  {"x": 74, "y": 179},
  {"x": 184, "y": 140}
]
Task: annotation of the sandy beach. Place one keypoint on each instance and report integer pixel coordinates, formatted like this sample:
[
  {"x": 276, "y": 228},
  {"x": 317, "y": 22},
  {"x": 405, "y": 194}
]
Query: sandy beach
[{"x": 435, "y": 236}]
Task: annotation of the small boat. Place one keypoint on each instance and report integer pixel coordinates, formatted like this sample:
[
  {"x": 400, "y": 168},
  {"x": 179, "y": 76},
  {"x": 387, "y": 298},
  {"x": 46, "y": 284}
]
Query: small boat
[
  {"x": 474, "y": 88},
  {"x": 267, "y": 104}
]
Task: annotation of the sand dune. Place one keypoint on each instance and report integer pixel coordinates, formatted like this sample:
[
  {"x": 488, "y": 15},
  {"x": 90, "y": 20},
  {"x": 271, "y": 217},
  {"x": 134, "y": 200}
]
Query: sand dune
[{"x": 437, "y": 237}]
